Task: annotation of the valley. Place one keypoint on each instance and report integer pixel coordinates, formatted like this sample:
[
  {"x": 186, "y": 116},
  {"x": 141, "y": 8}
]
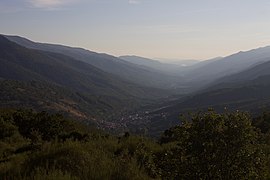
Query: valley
[{"x": 129, "y": 93}]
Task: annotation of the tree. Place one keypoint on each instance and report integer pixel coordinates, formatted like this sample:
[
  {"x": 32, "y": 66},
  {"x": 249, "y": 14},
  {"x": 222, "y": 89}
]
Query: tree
[{"x": 214, "y": 146}]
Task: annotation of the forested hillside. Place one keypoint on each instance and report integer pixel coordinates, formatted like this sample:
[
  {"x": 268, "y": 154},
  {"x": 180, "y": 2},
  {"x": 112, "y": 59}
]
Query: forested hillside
[{"x": 38, "y": 145}]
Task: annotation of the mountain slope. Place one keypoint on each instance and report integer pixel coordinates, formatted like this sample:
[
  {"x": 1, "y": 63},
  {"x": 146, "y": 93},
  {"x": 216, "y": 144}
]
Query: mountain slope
[
  {"x": 254, "y": 97},
  {"x": 245, "y": 91},
  {"x": 131, "y": 72},
  {"x": 20, "y": 63},
  {"x": 141, "y": 61},
  {"x": 171, "y": 69},
  {"x": 235, "y": 63},
  {"x": 82, "y": 90},
  {"x": 45, "y": 96},
  {"x": 258, "y": 70}
]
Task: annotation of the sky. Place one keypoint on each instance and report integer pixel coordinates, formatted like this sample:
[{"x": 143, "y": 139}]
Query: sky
[{"x": 164, "y": 29}]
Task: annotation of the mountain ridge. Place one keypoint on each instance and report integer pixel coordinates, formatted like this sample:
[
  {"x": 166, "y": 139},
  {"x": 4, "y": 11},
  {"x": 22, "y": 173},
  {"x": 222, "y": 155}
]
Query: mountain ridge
[
  {"x": 111, "y": 94},
  {"x": 141, "y": 75}
]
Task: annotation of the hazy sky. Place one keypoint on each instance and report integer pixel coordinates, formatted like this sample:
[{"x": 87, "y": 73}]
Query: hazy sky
[{"x": 175, "y": 29}]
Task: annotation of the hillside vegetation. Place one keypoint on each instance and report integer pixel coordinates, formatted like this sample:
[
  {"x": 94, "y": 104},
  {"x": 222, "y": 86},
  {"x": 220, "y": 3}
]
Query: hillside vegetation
[{"x": 38, "y": 145}]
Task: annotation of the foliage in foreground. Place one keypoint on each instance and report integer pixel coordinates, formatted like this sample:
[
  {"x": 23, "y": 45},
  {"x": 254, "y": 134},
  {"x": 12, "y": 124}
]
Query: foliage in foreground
[{"x": 209, "y": 146}]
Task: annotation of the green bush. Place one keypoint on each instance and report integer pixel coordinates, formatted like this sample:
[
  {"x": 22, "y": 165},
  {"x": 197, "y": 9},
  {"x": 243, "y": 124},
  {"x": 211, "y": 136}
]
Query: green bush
[{"x": 214, "y": 146}]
